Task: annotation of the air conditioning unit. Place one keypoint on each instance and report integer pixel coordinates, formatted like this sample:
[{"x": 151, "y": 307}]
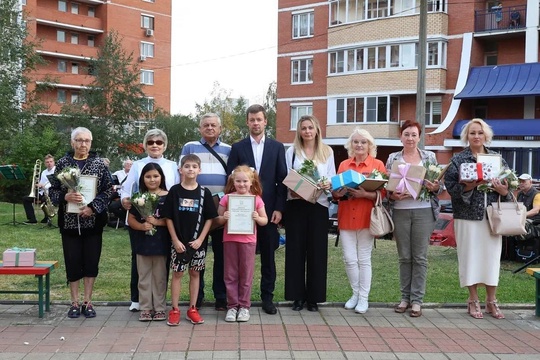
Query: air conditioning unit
[
  {"x": 142, "y": 58},
  {"x": 149, "y": 32}
]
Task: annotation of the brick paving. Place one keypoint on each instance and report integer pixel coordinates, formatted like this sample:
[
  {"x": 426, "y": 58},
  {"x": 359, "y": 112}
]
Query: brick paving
[{"x": 332, "y": 333}]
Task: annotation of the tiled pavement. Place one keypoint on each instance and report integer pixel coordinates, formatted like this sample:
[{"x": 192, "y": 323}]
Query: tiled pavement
[{"x": 332, "y": 333}]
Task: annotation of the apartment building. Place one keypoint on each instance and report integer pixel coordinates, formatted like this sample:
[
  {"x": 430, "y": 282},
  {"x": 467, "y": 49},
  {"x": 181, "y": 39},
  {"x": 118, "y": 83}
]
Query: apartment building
[
  {"x": 71, "y": 31},
  {"x": 354, "y": 63}
]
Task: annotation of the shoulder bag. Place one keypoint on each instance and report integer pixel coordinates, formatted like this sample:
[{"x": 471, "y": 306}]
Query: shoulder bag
[
  {"x": 380, "y": 222},
  {"x": 507, "y": 218}
]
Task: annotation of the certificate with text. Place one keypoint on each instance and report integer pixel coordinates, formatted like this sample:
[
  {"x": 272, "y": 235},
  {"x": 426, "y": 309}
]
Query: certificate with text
[
  {"x": 88, "y": 185},
  {"x": 241, "y": 208}
]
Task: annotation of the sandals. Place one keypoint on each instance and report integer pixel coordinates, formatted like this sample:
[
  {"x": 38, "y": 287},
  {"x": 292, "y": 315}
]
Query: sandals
[
  {"x": 160, "y": 316},
  {"x": 402, "y": 307},
  {"x": 145, "y": 316},
  {"x": 493, "y": 308},
  {"x": 474, "y": 309}
]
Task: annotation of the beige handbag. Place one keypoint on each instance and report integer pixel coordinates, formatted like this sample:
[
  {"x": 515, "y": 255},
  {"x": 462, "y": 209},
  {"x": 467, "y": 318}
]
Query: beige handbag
[
  {"x": 507, "y": 218},
  {"x": 380, "y": 222}
]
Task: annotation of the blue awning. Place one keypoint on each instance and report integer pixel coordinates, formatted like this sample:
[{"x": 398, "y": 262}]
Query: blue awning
[
  {"x": 506, "y": 127},
  {"x": 502, "y": 81}
]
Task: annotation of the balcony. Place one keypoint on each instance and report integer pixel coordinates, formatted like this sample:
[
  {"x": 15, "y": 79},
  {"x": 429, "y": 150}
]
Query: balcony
[
  {"x": 66, "y": 20},
  {"x": 65, "y": 48},
  {"x": 500, "y": 19}
]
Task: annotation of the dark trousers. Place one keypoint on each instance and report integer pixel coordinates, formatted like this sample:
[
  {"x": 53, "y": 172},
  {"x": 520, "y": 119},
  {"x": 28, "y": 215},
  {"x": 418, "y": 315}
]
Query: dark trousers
[
  {"x": 28, "y": 204},
  {"x": 134, "y": 283},
  {"x": 267, "y": 242},
  {"x": 81, "y": 255},
  {"x": 306, "y": 251}
]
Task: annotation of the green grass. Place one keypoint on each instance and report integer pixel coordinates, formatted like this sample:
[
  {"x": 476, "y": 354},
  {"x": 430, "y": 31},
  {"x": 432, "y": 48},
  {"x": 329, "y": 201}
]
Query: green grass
[{"x": 113, "y": 281}]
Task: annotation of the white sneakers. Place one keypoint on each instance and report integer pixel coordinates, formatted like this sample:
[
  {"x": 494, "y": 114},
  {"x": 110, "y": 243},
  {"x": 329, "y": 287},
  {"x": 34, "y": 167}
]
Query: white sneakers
[
  {"x": 134, "y": 307},
  {"x": 352, "y": 302},
  {"x": 362, "y": 306},
  {"x": 241, "y": 315},
  {"x": 231, "y": 315}
]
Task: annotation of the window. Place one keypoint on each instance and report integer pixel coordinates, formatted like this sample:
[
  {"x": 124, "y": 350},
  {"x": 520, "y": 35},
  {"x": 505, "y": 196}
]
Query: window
[
  {"x": 74, "y": 68},
  {"x": 61, "y": 96},
  {"x": 147, "y": 104},
  {"x": 62, "y": 5},
  {"x": 91, "y": 11},
  {"x": 147, "y": 22},
  {"x": 74, "y": 97},
  {"x": 302, "y": 71},
  {"x": 74, "y": 38},
  {"x": 60, "y": 36},
  {"x": 367, "y": 109},
  {"x": 91, "y": 41},
  {"x": 147, "y": 49},
  {"x": 303, "y": 25},
  {"x": 23, "y": 2},
  {"x": 433, "y": 112},
  {"x": 74, "y": 8},
  {"x": 62, "y": 66},
  {"x": 147, "y": 77},
  {"x": 299, "y": 110}
]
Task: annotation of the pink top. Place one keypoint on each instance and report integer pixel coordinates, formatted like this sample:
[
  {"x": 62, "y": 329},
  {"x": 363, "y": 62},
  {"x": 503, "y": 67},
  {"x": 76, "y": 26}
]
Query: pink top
[{"x": 241, "y": 238}]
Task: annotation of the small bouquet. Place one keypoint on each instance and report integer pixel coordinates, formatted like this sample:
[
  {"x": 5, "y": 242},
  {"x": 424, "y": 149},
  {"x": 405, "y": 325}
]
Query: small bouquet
[
  {"x": 309, "y": 169},
  {"x": 70, "y": 177},
  {"x": 146, "y": 204},
  {"x": 511, "y": 179},
  {"x": 433, "y": 171},
  {"x": 377, "y": 175}
]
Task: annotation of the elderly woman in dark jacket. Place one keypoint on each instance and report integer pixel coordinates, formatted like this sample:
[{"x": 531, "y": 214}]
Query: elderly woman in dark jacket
[
  {"x": 479, "y": 251},
  {"x": 82, "y": 231}
]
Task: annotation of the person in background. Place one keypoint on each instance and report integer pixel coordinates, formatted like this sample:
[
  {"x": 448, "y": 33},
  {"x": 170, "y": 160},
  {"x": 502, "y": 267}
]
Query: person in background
[
  {"x": 479, "y": 252},
  {"x": 414, "y": 221},
  {"x": 115, "y": 206},
  {"x": 189, "y": 210},
  {"x": 530, "y": 197},
  {"x": 214, "y": 155},
  {"x": 152, "y": 249},
  {"x": 121, "y": 175},
  {"x": 239, "y": 249},
  {"x": 82, "y": 232},
  {"x": 306, "y": 253},
  {"x": 155, "y": 144},
  {"x": 43, "y": 188},
  {"x": 267, "y": 156},
  {"x": 354, "y": 213}
]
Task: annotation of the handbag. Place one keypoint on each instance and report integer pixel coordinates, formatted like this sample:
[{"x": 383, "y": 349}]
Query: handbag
[
  {"x": 507, "y": 218},
  {"x": 380, "y": 222}
]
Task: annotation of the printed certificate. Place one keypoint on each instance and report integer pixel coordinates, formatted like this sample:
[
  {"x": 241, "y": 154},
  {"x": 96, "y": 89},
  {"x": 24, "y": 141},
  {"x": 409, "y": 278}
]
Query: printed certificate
[
  {"x": 241, "y": 208},
  {"x": 88, "y": 184}
]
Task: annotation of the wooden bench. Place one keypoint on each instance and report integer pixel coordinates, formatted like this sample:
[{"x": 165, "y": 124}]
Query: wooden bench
[
  {"x": 40, "y": 269},
  {"x": 536, "y": 273}
]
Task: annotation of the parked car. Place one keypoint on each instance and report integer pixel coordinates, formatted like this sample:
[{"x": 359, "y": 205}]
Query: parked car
[
  {"x": 443, "y": 235},
  {"x": 332, "y": 218}
]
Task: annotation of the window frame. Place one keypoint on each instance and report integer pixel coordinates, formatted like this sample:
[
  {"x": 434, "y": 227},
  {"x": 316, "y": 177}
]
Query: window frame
[
  {"x": 147, "y": 81},
  {"x": 62, "y": 6},
  {"x": 145, "y": 45},
  {"x": 349, "y": 109},
  {"x": 297, "y": 24},
  {"x": 61, "y": 35},
  {"x": 62, "y": 68},
  {"x": 431, "y": 103},
  {"x": 295, "y": 113},
  {"x": 61, "y": 96},
  {"x": 299, "y": 75},
  {"x": 151, "y": 21}
]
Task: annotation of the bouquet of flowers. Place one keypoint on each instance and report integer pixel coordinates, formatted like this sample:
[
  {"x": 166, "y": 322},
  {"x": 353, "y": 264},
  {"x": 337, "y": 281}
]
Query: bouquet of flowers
[
  {"x": 70, "y": 177},
  {"x": 146, "y": 204},
  {"x": 432, "y": 173},
  {"x": 511, "y": 179},
  {"x": 377, "y": 175},
  {"x": 309, "y": 169}
]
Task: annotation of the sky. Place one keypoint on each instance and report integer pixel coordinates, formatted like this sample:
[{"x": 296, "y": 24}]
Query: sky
[{"x": 232, "y": 42}]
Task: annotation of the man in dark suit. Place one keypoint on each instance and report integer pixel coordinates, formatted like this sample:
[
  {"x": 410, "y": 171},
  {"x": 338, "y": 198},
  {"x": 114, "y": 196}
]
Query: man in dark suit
[{"x": 267, "y": 156}]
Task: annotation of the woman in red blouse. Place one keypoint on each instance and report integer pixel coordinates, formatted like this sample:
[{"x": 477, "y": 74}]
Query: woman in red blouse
[{"x": 354, "y": 215}]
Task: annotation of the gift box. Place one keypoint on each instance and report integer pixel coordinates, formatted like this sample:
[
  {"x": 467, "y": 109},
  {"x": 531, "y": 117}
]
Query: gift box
[
  {"x": 19, "y": 257},
  {"x": 303, "y": 186},
  {"x": 476, "y": 172},
  {"x": 349, "y": 178},
  {"x": 406, "y": 178}
]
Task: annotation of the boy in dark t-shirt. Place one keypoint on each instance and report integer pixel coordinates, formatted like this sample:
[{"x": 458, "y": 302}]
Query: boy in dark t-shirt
[{"x": 189, "y": 210}]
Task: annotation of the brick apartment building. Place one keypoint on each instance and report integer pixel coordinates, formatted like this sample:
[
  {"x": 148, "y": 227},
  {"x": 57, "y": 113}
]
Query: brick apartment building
[
  {"x": 71, "y": 31},
  {"x": 354, "y": 63}
]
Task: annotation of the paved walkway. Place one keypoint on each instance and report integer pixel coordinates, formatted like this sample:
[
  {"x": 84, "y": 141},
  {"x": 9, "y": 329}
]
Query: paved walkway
[{"x": 332, "y": 333}]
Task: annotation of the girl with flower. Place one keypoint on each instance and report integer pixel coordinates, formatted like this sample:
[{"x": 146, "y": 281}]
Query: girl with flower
[{"x": 151, "y": 248}]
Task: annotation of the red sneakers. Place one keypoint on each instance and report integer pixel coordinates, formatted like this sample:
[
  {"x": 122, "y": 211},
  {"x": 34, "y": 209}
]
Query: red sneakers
[
  {"x": 174, "y": 317},
  {"x": 193, "y": 316}
]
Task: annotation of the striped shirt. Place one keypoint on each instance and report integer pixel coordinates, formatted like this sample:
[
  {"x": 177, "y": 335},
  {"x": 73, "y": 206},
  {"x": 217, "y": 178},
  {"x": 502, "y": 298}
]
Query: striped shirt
[{"x": 213, "y": 175}]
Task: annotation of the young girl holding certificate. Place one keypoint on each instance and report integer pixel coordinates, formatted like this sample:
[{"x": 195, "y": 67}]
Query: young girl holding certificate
[{"x": 239, "y": 210}]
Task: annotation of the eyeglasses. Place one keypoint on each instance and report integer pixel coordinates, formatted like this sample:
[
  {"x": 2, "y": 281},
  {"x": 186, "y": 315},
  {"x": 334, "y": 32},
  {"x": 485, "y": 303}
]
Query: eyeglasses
[
  {"x": 157, "y": 142},
  {"x": 83, "y": 141}
]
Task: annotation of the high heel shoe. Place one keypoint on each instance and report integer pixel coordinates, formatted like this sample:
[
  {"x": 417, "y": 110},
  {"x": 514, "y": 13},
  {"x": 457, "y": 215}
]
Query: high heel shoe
[
  {"x": 493, "y": 308},
  {"x": 474, "y": 309}
]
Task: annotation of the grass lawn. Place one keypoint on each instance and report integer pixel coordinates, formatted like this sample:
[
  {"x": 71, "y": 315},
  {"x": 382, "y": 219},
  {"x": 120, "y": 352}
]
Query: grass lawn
[{"x": 113, "y": 281}]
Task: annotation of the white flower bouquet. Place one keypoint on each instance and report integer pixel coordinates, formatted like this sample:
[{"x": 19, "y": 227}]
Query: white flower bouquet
[
  {"x": 511, "y": 179},
  {"x": 432, "y": 173},
  {"x": 146, "y": 204},
  {"x": 70, "y": 177}
]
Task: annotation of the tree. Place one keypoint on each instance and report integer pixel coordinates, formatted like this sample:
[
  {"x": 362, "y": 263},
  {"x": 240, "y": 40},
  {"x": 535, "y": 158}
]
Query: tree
[
  {"x": 270, "y": 104},
  {"x": 179, "y": 129},
  {"x": 113, "y": 102}
]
